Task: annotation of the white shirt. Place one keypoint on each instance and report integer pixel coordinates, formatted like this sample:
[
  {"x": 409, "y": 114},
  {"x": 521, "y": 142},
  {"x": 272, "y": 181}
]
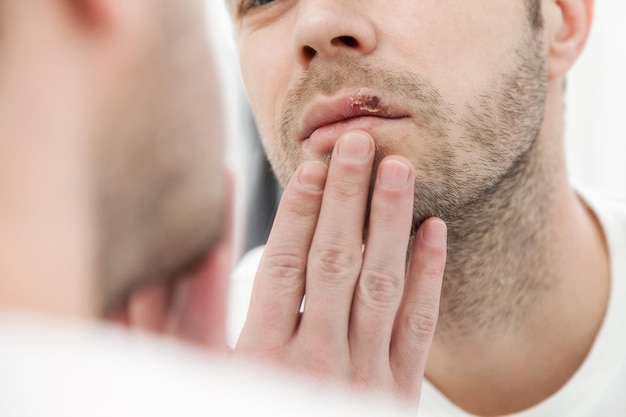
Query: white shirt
[
  {"x": 598, "y": 388},
  {"x": 81, "y": 369}
]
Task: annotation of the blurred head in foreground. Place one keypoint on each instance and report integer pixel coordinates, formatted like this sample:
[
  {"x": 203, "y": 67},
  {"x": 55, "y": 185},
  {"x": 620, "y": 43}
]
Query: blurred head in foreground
[{"x": 111, "y": 172}]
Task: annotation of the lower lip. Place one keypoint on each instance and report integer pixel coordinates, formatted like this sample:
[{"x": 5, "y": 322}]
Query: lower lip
[{"x": 323, "y": 139}]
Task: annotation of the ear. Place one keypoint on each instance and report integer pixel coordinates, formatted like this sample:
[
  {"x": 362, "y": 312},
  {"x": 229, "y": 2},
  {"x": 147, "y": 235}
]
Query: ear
[
  {"x": 87, "y": 13},
  {"x": 104, "y": 15},
  {"x": 568, "y": 23}
]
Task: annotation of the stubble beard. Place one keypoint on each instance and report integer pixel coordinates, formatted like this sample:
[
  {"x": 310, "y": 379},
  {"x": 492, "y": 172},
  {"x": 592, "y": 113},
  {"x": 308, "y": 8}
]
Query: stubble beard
[{"x": 482, "y": 198}]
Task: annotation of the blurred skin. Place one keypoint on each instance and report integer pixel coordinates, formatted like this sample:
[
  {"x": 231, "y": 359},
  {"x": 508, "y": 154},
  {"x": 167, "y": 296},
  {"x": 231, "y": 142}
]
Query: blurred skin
[
  {"x": 116, "y": 204},
  {"x": 111, "y": 159},
  {"x": 46, "y": 211},
  {"x": 158, "y": 154},
  {"x": 471, "y": 93}
]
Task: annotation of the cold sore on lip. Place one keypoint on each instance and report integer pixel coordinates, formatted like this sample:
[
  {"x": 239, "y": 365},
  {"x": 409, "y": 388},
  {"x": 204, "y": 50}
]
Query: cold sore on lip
[{"x": 367, "y": 102}]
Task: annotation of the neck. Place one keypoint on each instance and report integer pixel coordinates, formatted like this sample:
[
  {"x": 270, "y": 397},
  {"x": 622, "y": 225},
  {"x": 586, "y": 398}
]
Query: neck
[{"x": 526, "y": 282}]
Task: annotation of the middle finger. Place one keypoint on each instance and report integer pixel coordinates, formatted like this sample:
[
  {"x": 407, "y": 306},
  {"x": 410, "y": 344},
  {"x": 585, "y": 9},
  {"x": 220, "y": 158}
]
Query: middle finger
[{"x": 336, "y": 250}]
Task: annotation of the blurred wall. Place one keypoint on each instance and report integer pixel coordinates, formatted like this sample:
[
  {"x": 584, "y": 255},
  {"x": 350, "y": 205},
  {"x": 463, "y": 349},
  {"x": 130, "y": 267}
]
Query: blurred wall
[
  {"x": 595, "y": 118},
  {"x": 240, "y": 129}
]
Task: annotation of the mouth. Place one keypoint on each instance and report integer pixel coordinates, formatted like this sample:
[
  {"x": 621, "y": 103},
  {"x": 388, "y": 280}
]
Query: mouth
[{"x": 327, "y": 118}]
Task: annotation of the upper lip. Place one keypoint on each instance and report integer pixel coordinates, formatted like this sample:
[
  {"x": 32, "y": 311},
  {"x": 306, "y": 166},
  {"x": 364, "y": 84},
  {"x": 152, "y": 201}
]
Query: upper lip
[{"x": 327, "y": 111}]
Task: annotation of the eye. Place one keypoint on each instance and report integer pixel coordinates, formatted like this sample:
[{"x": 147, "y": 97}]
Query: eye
[{"x": 247, "y": 5}]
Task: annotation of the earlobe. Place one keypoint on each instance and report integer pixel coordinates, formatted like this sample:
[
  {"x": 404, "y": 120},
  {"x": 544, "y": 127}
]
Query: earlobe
[
  {"x": 571, "y": 24},
  {"x": 103, "y": 14},
  {"x": 90, "y": 14}
]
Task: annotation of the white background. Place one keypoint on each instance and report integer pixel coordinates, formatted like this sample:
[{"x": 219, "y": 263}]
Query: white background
[{"x": 596, "y": 115}]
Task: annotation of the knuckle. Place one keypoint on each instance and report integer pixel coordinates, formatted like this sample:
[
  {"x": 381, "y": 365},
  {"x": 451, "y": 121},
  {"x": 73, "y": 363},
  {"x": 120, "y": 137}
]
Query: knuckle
[
  {"x": 335, "y": 263},
  {"x": 430, "y": 270},
  {"x": 380, "y": 288},
  {"x": 421, "y": 324},
  {"x": 434, "y": 268},
  {"x": 300, "y": 205},
  {"x": 350, "y": 185},
  {"x": 346, "y": 191},
  {"x": 286, "y": 269}
]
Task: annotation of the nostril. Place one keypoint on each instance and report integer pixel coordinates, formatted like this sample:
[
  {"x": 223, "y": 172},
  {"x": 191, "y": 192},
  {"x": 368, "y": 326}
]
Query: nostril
[
  {"x": 346, "y": 40},
  {"x": 308, "y": 52}
]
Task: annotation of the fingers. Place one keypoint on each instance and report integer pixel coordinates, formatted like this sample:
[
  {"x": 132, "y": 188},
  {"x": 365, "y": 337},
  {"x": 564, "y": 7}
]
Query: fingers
[
  {"x": 280, "y": 280},
  {"x": 336, "y": 251},
  {"x": 379, "y": 289},
  {"x": 363, "y": 320},
  {"x": 417, "y": 317}
]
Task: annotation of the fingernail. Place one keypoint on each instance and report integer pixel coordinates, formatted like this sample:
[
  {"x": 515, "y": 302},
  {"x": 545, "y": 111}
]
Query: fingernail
[
  {"x": 435, "y": 232},
  {"x": 355, "y": 146},
  {"x": 313, "y": 176},
  {"x": 394, "y": 174}
]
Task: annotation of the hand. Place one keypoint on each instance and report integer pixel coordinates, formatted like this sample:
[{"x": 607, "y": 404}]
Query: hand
[{"x": 361, "y": 322}]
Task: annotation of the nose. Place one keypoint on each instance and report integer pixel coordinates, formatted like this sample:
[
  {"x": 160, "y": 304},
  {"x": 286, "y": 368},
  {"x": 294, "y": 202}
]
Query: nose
[{"x": 327, "y": 29}]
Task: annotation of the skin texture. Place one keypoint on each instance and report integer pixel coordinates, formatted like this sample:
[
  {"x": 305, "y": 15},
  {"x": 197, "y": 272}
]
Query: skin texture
[
  {"x": 471, "y": 94},
  {"x": 112, "y": 161}
]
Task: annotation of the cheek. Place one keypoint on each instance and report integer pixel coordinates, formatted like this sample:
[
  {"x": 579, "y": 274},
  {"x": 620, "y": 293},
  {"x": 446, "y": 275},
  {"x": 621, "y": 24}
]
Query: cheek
[
  {"x": 263, "y": 73},
  {"x": 462, "y": 45}
]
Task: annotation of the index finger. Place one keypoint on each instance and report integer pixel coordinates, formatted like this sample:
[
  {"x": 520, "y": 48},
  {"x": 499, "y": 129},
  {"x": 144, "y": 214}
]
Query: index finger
[{"x": 279, "y": 284}]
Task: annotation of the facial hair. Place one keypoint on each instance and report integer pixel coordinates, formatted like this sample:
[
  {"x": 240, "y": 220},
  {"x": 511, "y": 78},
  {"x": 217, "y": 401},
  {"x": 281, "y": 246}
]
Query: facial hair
[{"x": 471, "y": 161}]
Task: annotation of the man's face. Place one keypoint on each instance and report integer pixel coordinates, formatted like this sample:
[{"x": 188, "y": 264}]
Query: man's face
[
  {"x": 456, "y": 86},
  {"x": 159, "y": 156}
]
